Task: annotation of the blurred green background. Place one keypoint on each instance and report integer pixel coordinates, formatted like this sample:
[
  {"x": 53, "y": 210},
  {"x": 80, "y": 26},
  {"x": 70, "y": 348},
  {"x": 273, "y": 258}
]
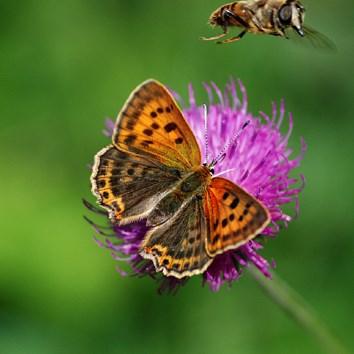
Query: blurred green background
[{"x": 65, "y": 66}]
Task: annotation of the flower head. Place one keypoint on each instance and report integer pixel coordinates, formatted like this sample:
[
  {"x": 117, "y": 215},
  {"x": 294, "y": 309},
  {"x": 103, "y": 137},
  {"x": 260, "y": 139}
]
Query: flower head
[{"x": 259, "y": 161}]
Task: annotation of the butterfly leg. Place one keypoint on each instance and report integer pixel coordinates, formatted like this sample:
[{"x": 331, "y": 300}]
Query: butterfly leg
[
  {"x": 233, "y": 39},
  {"x": 225, "y": 31}
]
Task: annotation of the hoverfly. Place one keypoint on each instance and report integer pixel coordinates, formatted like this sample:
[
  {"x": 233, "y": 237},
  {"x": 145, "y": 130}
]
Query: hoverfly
[{"x": 274, "y": 17}]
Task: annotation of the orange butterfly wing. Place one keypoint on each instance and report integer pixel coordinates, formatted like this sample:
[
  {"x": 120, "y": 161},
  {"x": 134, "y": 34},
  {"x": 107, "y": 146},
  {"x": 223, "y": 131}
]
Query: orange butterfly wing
[
  {"x": 151, "y": 124},
  {"x": 234, "y": 216}
]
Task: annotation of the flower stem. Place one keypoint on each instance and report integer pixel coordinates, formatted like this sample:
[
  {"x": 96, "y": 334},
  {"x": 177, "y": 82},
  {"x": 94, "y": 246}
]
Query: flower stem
[{"x": 295, "y": 306}]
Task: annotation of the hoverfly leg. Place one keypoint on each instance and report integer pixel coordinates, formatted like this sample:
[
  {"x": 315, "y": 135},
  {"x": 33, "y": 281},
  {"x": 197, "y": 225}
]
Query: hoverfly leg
[
  {"x": 213, "y": 38},
  {"x": 225, "y": 30},
  {"x": 233, "y": 39}
]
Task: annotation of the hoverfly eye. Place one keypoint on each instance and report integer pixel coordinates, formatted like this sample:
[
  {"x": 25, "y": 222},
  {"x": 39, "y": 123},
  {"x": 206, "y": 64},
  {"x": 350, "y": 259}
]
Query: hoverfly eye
[{"x": 285, "y": 14}]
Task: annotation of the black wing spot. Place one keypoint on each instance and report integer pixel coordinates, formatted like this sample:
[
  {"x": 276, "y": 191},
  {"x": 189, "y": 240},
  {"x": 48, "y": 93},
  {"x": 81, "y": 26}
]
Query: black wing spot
[
  {"x": 130, "y": 124},
  {"x": 130, "y": 139},
  {"x": 101, "y": 183},
  {"x": 216, "y": 239},
  {"x": 148, "y": 132},
  {"x": 224, "y": 223},
  {"x": 136, "y": 115},
  {"x": 170, "y": 127},
  {"x": 234, "y": 203},
  {"x": 153, "y": 114}
]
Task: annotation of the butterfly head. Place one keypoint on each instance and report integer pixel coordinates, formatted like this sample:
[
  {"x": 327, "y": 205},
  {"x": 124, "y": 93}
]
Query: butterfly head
[{"x": 210, "y": 167}]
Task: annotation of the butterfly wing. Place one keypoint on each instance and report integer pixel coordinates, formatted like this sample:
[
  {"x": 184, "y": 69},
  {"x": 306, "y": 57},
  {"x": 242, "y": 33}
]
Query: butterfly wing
[
  {"x": 129, "y": 185},
  {"x": 234, "y": 216},
  {"x": 178, "y": 246},
  {"x": 151, "y": 124}
]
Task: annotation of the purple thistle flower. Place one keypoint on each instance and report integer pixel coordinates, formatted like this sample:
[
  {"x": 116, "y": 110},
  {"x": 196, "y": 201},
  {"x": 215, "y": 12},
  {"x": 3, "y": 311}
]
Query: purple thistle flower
[{"x": 259, "y": 162}]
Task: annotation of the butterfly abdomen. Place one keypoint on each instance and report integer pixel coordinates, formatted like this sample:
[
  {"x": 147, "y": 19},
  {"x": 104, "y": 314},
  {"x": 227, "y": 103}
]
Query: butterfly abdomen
[{"x": 183, "y": 192}]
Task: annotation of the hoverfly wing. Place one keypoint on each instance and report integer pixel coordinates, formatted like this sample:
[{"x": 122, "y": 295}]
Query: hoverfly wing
[
  {"x": 313, "y": 39},
  {"x": 318, "y": 40}
]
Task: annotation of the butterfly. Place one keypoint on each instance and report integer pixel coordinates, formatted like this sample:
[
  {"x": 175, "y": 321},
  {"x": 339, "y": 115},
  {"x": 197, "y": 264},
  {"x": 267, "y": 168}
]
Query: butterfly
[{"x": 152, "y": 171}]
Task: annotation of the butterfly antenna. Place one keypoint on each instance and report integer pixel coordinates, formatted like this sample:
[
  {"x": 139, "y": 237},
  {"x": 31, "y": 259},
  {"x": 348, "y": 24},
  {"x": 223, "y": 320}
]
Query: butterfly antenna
[
  {"x": 206, "y": 136},
  {"x": 230, "y": 143}
]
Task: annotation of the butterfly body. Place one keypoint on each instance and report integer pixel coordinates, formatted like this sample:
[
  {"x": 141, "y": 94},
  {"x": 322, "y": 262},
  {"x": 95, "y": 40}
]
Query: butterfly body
[
  {"x": 152, "y": 171},
  {"x": 193, "y": 185}
]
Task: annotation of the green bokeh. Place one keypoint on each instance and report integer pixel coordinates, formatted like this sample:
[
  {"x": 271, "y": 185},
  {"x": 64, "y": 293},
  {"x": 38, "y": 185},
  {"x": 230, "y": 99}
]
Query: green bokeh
[{"x": 65, "y": 66}]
